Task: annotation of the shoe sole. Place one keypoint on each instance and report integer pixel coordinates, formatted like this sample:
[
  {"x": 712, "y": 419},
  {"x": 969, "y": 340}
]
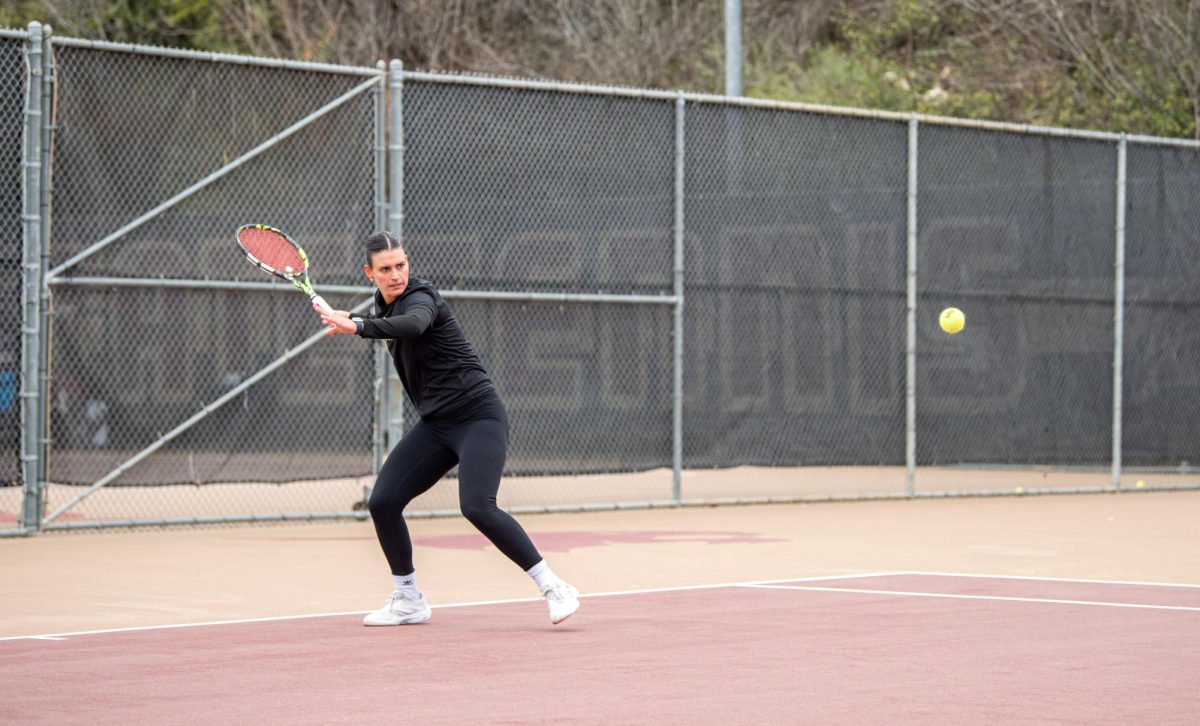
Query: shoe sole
[
  {"x": 410, "y": 620},
  {"x": 556, "y": 622}
]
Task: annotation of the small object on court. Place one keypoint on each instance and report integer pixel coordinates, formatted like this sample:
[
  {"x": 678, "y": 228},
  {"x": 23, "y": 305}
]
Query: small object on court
[
  {"x": 1020, "y": 490},
  {"x": 1141, "y": 484},
  {"x": 952, "y": 320}
]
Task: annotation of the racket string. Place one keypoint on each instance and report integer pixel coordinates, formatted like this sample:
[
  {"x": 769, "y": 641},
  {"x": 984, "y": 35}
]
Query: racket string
[{"x": 272, "y": 250}]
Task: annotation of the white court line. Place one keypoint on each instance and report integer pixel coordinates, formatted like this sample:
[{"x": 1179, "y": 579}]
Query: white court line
[
  {"x": 974, "y": 597},
  {"x": 64, "y": 636},
  {"x": 646, "y": 591},
  {"x": 279, "y": 618},
  {"x": 1046, "y": 579}
]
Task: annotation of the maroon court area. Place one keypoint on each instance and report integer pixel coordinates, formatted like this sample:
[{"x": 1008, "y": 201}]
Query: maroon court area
[{"x": 723, "y": 654}]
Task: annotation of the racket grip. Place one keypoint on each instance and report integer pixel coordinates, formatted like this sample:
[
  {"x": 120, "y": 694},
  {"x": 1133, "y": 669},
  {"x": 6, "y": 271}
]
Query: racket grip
[{"x": 319, "y": 302}]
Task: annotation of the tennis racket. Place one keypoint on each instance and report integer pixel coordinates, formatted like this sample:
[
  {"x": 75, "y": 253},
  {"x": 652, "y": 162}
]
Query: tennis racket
[{"x": 275, "y": 252}]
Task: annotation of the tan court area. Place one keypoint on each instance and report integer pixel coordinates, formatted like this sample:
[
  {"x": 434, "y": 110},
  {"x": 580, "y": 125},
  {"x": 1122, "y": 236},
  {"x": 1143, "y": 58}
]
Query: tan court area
[{"x": 57, "y": 583}]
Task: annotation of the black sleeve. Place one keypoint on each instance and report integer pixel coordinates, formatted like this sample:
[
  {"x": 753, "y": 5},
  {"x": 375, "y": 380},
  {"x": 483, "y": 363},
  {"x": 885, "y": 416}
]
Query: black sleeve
[{"x": 418, "y": 315}]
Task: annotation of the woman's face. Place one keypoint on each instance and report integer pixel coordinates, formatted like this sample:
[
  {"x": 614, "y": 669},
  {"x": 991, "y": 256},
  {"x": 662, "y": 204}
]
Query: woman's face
[{"x": 388, "y": 269}]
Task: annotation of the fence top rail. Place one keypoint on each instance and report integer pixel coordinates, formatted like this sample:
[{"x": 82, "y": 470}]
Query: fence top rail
[
  {"x": 771, "y": 104},
  {"x": 14, "y": 33},
  {"x": 1016, "y": 128},
  {"x": 200, "y": 55},
  {"x": 531, "y": 84},
  {"x": 1056, "y": 131},
  {"x": 933, "y": 120},
  {"x": 1163, "y": 141}
]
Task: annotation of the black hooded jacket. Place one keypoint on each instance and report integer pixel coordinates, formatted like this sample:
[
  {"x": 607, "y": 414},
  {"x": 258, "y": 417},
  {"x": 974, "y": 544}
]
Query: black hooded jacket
[{"x": 435, "y": 361}]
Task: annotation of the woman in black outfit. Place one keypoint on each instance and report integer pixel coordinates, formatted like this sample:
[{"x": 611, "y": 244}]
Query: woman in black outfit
[{"x": 463, "y": 422}]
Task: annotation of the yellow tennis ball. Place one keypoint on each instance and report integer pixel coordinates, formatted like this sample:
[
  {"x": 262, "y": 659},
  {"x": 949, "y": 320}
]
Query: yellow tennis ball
[
  {"x": 1020, "y": 490},
  {"x": 952, "y": 320},
  {"x": 1141, "y": 484}
]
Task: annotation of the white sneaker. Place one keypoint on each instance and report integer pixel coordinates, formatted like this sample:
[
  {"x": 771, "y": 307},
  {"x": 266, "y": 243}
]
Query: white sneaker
[
  {"x": 562, "y": 599},
  {"x": 399, "y": 610}
]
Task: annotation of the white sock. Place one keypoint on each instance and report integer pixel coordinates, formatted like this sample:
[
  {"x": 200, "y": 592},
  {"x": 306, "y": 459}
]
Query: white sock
[
  {"x": 407, "y": 585},
  {"x": 542, "y": 574}
]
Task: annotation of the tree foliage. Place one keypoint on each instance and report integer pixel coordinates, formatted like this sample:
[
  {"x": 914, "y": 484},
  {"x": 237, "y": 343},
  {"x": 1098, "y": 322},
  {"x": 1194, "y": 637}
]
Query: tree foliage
[{"x": 1125, "y": 65}]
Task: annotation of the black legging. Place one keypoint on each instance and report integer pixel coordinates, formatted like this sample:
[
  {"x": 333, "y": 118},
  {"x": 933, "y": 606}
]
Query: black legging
[{"x": 425, "y": 454}]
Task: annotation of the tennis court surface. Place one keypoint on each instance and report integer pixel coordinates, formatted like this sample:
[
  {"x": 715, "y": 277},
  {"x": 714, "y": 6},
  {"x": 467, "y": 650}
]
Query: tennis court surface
[
  {"x": 861, "y": 646},
  {"x": 892, "y": 647}
]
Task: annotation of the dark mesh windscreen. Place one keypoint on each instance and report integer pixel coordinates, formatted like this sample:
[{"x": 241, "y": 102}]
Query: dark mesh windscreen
[
  {"x": 587, "y": 387},
  {"x": 135, "y": 130},
  {"x": 308, "y": 420},
  {"x": 516, "y": 201},
  {"x": 536, "y": 191},
  {"x": 12, "y": 109},
  {"x": 1162, "y": 308},
  {"x": 1017, "y": 231},
  {"x": 795, "y": 288},
  {"x": 132, "y": 363}
]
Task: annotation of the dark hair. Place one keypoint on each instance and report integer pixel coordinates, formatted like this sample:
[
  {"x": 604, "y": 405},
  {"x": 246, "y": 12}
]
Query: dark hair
[{"x": 380, "y": 241}]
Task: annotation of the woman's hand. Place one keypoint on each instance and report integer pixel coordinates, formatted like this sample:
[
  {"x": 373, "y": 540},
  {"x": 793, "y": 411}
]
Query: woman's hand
[{"x": 338, "y": 321}]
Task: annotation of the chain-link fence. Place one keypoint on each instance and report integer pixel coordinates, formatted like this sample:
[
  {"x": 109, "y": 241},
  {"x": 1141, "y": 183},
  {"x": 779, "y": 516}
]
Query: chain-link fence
[
  {"x": 12, "y": 108},
  {"x": 230, "y": 144},
  {"x": 795, "y": 291},
  {"x": 1018, "y": 231},
  {"x": 680, "y": 297},
  {"x": 1162, "y": 309},
  {"x": 526, "y": 192}
]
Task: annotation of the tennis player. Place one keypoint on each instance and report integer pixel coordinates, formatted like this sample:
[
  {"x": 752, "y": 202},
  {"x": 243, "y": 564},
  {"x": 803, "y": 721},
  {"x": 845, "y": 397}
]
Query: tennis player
[{"x": 463, "y": 422}]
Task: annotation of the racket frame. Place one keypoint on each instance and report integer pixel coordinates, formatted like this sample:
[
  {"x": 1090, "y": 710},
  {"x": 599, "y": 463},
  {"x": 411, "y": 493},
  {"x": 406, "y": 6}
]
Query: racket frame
[{"x": 300, "y": 279}]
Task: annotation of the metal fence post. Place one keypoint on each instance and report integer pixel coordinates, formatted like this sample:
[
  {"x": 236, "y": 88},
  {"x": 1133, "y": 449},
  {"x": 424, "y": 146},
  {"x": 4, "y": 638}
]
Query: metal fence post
[
  {"x": 379, "y": 444},
  {"x": 395, "y": 397},
  {"x": 910, "y": 388},
  {"x": 31, "y": 284},
  {"x": 45, "y": 373},
  {"x": 1119, "y": 312},
  {"x": 733, "y": 47},
  {"x": 677, "y": 393}
]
